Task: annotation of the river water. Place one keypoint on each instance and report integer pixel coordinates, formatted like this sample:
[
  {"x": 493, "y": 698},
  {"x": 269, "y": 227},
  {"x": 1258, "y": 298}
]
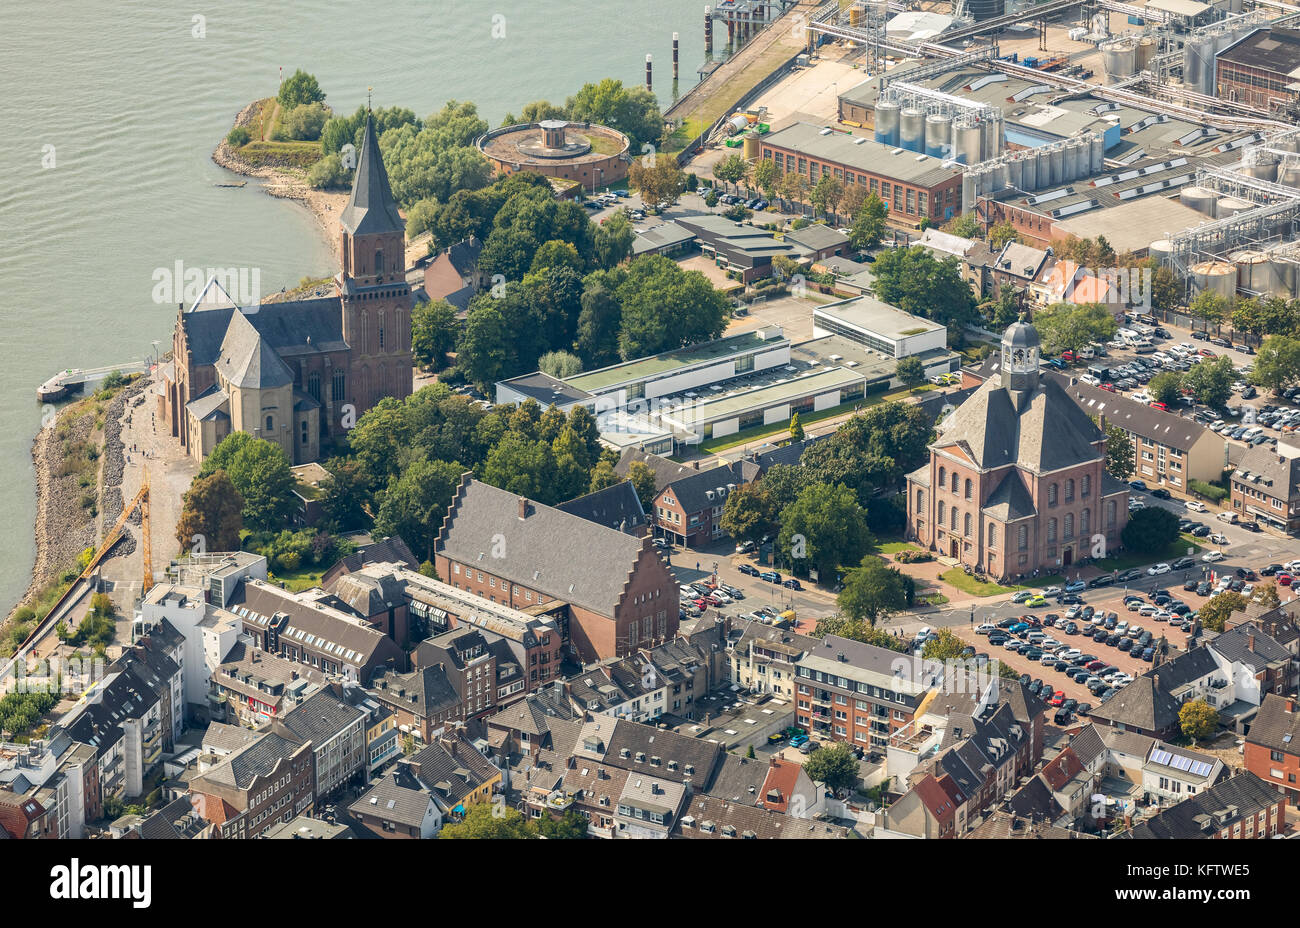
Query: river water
[{"x": 110, "y": 112}]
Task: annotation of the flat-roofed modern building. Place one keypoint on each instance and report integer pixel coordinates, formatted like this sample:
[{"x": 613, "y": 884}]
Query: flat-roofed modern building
[
  {"x": 912, "y": 184},
  {"x": 877, "y": 325}
]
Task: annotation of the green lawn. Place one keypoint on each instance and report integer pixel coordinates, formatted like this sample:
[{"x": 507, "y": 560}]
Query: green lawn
[
  {"x": 893, "y": 547},
  {"x": 1175, "y": 550},
  {"x": 304, "y": 578},
  {"x": 967, "y": 584}
]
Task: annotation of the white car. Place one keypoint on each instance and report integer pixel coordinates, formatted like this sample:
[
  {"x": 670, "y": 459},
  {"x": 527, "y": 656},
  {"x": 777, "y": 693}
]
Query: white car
[
  {"x": 1142, "y": 396},
  {"x": 1195, "y": 505},
  {"x": 1212, "y": 556},
  {"x": 1052, "y": 591},
  {"x": 1218, "y": 538},
  {"x": 1292, "y": 565},
  {"x": 985, "y": 629},
  {"x": 1156, "y": 570}
]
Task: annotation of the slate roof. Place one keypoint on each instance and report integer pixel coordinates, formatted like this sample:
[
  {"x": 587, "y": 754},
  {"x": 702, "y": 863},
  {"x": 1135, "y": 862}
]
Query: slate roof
[
  {"x": 223, "y": 738},
  {"x": 1274, "y": 727},
  {"x": 1235, "y": 645},
  {"x": 1279, "y": 475},
  {"x": 1186, "y": 668},
  {"x": 464, "y": 255},
  {"x": 322, "y": 716},
  {"x": 213, "y": 403},
  {"x": 1010, "y": 500},
  {"x": 255, "y": 760},
  {"x": 735, "y": 820},
  {"x": 371, "y": 209},
  {"x": 694, "y": 759},
  {"x": 613, "y": 507},
  {"x": 692, "y": 491},
  {"x": 1167, "y": 428},
  {"x": 172, "y": 822},
  {"x": 1141, "y": 705},
  {"x": 1035, "y": 802},
  {"x": 1204, "y": 814},
  {"x": 426, "y": 692},
  {"x": 391, "y": 550},
  {"x": 739, "y": 779},
  {"x": 1087, "y": 744},
  {"x": 291, "y": 328},
  {"x": 97, "y": 719},
  {"x": 665, "y": 471},
  {"x": 1048, "y": 432},
  {"x": 395, "y": 799},
  {"x": 563, "y": 555},
  {"x": 453, "y": 769},
  {"x": 247, "y": 361}
]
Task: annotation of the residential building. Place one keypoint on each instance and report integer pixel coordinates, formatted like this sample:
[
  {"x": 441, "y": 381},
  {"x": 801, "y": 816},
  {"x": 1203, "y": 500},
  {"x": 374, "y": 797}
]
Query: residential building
[
  {"x": 334, "y": 724},
  {"x": 1172, "y": 773},
  {"x": 1016, "y": 481},
  {"x": 398, "y": 806},
  {"x": 257, "y": 686},
  {"x": 689, "y": 510},
  {"x": 1272, "y": 750},
  {"x": 1239, "y": 807},
  {"x": 613, "y": 507},
  {"x": 765, "y": 659},
  {"x": 122, "y": 718},
  {"x": 266, "y": 782},
  {"x": 453, "y": 274},
  {"x": 422, "y": 701},
  {"x": 1266, "y": 486}
]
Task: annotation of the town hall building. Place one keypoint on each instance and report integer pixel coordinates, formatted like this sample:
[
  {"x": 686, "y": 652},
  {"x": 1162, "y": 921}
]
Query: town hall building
[
  {"x": 296, "y": 371},
  {"x": 1016, "y": 480}
]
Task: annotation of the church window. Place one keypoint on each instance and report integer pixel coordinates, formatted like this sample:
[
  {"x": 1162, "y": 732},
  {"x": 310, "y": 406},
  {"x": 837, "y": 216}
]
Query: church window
[
  {"x": 969, "y": 485},
  {"x": 313, "y": 386},
  {"x": 943, "y": 475},
  {"x": 304, "y": 432},
  {"x": 337, "y": 387},
  {"x": 1110, "y": 514},
  {"x": 993, "y": 536},
  {"x": 1069, "y": 526},
  {"x": 966, "y": 526},
  {"x": 1085, "y": 485},
  {"x": 1051, "y": 495},
  {"x": 953, "y": 522},
  {"x": 1051, "y": 531},
  {"x": 939, "y": 514},
  {"x": 1022, "y": 538},
  {"x": 954, "y": 481},
  {"x": 1069, "y": 490},
  {"x": 920, "y": 500},
  {"x": 379, "y": 262},
  {"x": 1085, "y": 522}
]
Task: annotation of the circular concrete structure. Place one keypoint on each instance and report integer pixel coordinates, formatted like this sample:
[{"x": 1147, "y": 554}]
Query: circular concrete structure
[{"x": 583, "y": 152}]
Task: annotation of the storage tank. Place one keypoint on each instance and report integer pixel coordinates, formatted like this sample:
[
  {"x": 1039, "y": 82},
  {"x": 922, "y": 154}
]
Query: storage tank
[
  {"x": 1287, "y": 270},
  {"x": 1216, "y": 276},
  {"x": 1098, "y": 153},
  {"x": 855, "y": 15},
  {"x": 969, "y": 139},
  {"x": 1257, "y": 273},
  {"x": 1118, "y": 59},
  {"x": 1146, "y": 50},
  {"x": 1200, "y": 199},
  {"x": 911, "y": 129},
  {"x": 887, "y": 123},
  {"x": 1193, "y": 63},
  {"x": 1264, "y": 167},
  {"x": 967, "y": 192},
  {"x": 1029, "y": 172},
  {"x": 751, "y": 146},
  {"x": 1069, "y": 162},
  {"x": 1162, "y": 250},
  {"x": 1000, "y": 175},
  {"x": 991, "y": 138},
  {"x": 1056, "y": 160},
  {"x": 1289, "y": 174},
  {"x": 1231, "y": 206},
  {"x": 1016, "y": 173},
  {"x": 938, "y": 135}
]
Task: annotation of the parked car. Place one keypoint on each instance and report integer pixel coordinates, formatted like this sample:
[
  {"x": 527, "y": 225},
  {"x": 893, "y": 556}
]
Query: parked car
[
  {"x": 748, "y": 570},
  {"x": 771, "y": 576},
  {"x": 792, "y": 584}
]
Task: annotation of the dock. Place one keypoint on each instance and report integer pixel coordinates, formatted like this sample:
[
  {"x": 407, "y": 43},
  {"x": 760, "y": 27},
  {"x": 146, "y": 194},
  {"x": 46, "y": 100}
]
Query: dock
[{"x": 74, "y": 380}]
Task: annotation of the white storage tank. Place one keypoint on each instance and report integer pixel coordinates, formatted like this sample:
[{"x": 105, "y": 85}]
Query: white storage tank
[
  {"x": 1264, "y": 167},
  {"x": 1000, "y": 176},
  {"x": 1098, "y": 153},
  {"x": 938, "y": 135},
  {"x": 970, "y": 142},
  {"x": 1257, "y": 273},
  {"x": 1216, "y": 276},
  {"x": 989, "y": 132},
  {"x": 1162, "y": 251},
  {"x": 1118, "y": 59},
  {"x": 887, "y": 123},
  {"x": 1231, "y": 206},
  {"x": 967, "y": 192},
  {"x": 1289, "y": 174},
  {"x": 1056, "y": 158},
  {"x": 1200, "y": 199},
  {"x": 1070, "y": 158},
  {"x": 1016, "y": 173},
  {"x": 911, "y": 129},
  {"x": 1029, "y": 172}
]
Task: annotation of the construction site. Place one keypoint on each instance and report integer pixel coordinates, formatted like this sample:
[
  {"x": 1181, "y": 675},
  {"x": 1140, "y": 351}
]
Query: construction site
[{"x": 1176, "y": 114}]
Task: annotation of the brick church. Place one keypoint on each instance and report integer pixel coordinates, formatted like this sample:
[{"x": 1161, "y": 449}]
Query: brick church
[
  {"x": 296, "y": 371},
  {"x": 1016, "y": 480}
]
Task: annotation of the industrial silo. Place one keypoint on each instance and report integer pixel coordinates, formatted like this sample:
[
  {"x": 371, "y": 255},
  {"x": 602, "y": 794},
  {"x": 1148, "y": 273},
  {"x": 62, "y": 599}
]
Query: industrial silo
[
  {"x": 1263, "y": 167},
  {"x": 1146, "y": 50},
  {"x": 986, "y": 9},
  {"x": 1029, "y": 171},
  {"x": 938, "y": 135},
  {"x": 1000, "y": 176},
  {"x": 1216, "y": 276},
  {"x": 751, "y": 146},
  {"x": 911, "y": 129},
  {"x": 1069, "y": 162},
  {"x": 1286, "y": 269},
  {"x": 1200, "y": 199},
  {"x": 969, "y": 143},
  {"x": 1056, "y": 160},
  {"x": 1193, "y": 63},
  {"x": 991, "y": 137},
  {"x": 1231, "y": 206},
  {"x": 1289, "y": 174},
  {"x": 1162, "y": 250},
  {"x": 1257, "y": 273},
  {"x": 887, "y": 123},
  {"x": 967, "y": 192},
  {"x": 1016, "y": 173},
  {"x": 1119, "y": 59}
]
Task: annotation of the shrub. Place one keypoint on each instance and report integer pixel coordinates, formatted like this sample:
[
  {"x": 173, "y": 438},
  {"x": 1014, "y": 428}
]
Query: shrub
[
  {"x": 304, "y": 123},
  {"x": 800, "y": 223},
  {"x": 1208, "y": 490},
  {"x": 328, "y": 173},
  {"x": 913, "y": 556},
  {"x": 237, "y": 137}
]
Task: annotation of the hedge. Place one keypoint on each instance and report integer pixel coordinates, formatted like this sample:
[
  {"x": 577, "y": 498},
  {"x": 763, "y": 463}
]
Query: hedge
[{"x": 1208, "y": 490}]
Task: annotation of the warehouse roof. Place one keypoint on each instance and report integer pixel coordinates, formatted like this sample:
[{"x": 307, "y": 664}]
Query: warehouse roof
[
  {"x": 862, "y": 154},
  {"x": 1268, "y": 50}
]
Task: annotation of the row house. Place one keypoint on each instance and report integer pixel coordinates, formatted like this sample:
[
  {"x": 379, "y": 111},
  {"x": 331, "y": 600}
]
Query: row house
[
  {"x": 1272, "y": 749},
  {"x": 253, "y": 686},
  {"x": 335, "y": 725},
  {"x": 1266, "y": 486},
  {"x": 60, "y": 775},
  {"x": 689, "y": 509},
  {"x": 121, "y": 718},
  {"x": 267, "y": 782},
  {"x": 423, "y": 702},
  {"x": 1240, "y": 807}
]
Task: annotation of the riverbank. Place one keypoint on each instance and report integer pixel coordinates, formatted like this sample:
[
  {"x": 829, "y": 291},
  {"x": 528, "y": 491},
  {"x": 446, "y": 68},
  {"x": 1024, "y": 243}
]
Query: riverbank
[{"x": 284, "y": 182}]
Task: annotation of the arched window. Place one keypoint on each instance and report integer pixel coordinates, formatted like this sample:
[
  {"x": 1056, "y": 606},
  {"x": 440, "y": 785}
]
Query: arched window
[
  {"x": 270, "y": 424},
  {"x": 969, "y": 486},
  {"x": 379, "y": 261},
  {"x": 1051, "y": 495},
  {"x": 1085, "y": 485},
  {"x": 1069, "y": 490},
  {"x": 954, "y": 481},
  {"x": 381, "y": 329},
  {"x": 954, "y": 518},
  {"x": 1085, "y": 525},
  {"x": 1051, "y": 531},
  {"x": 939, "y": 515},
  {"x": 1069, "y": 526},
  {"x": 920, "y": 500},
  {"x": 313, "y": 386},
  {"x": 1022, "y": 538},
  {"x": 1110, "y": 514},
  {"x": 943, "y": 473},
  {"x": 993, "y": 536},
  {"x": 966, "y": 526}
]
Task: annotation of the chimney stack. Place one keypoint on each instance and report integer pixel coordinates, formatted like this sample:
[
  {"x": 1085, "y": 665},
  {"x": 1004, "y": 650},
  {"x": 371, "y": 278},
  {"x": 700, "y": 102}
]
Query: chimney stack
[
  {"x": 1290, "y": 706},
  {"x": 1250, "y": 641},
  {"x": 523, "y": 507}
]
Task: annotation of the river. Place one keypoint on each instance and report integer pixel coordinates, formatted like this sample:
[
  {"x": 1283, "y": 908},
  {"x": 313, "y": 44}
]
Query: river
[{"x": 111, "y": 112}]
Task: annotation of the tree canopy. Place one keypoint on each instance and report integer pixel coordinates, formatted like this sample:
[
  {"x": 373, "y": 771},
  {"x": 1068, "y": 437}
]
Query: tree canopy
[{"x": 915, "y": 281}]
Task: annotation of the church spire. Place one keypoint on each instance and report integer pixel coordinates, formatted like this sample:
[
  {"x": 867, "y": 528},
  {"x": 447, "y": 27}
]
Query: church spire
[{"x": 371, "y": 209}]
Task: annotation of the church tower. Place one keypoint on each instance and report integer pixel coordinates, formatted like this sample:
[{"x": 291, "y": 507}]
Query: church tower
[
  {"x": 375, "y": 296},
  {"x": 1020, "y": 347}
]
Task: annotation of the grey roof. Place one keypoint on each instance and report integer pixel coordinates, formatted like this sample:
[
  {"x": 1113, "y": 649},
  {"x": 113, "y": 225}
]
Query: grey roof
[
  {"x": 452, "y": 768},
  {"x": 1048, "y": 432},
  {"x": 393, "y": 801},
  {"x": 613, "y": 507},
  {"x": 1141, "y": 705},
  {"x": 1205, "y": 814},
  {"x": 1186, "y": 668},
  {"x": 817, "y": 236},
  {"x": 665, "y": 471},
  {"x": 291, "y": 327},
  {"x": 1020, "y": 334},
  {"x": 323, "y": 716},
  {"x": 739, "y": 779},
  {"x": 1087, "y": 744},
  {"x": 213, "y": 402},
  {"x": 222, "y": 738},
  {"x": 1276, "y": 727},
  {"x": 1127, "y": 742},
  {"x": 1236, "y": 645},
  {"x": 862, "y": 154},
  {"x": 464, "y": 255},
  {"x": 1022, "y": 261},
  {"x": 247, "y": 361},
  {"x": 692, "y": 492},
  {"x": 1280, "y": 476},
  {"x": 1267, "y": 49},
  {"x": 426, "y": 692},
  {"x": 590, "y": 568},
  {"x": 696, "y": 759},
  {"x": 546, "y": 390},
  {"x": 98, "y": 719},
  {"x": 1167, "y": 428},
  {"x": 1010, "y": 500},
  {"x": 371, "y": 209},
  {"x": 391, "y": 550},
  {"x": 255, "y": 760},
  {"x": 1035, "y": 802}
]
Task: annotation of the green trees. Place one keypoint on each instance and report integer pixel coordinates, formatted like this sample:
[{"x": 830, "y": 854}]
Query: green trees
[
  {"x": 414, "y": 504},
  {"x": 833, "y": 765},
  {"x": 1119, "y": 453},
  {"x": 560, "y": 364},
  {"x": 1000, "y": 234},
  {"x": 434, "y": 328},
  {"x": 749, "y": 512},
  {"x": 238, "y": 137},
  {"x": 1277, "y": 363},
  {"x": 965, "y": 225},
  {"x": 1166, "y": 387},
  {"x": 613, "y": 241},
  {"x": 1074, "y": 326},
  {"x": 1198, "y": 720},
  {"x": 826, "y": 194},
  {"x": 732, "y": 169},
  {"x": 911, "y": 371},
  {"x": 869, "y": 222},
  {"x": 438, "y": 158},
  {"x": 914, "y": 280},
  {"x": 259, "y": 470},
  {"x": 486, "y": 344},
  {"x": 857, "y": 630},
  {"x": 659, "y": 180},
  {"x": 485, "y": 822},
  {"x": 643, "y": 481},
  {"x": 304, "y": 122},
  {"x": 665, "y": 307},
  {"x": 343, "y": 495},
  {"x": 634, "y": 111},
  {"x": 766, "y": 176},
  {"x": 1211, "y": 381},
  {"x": 1150, "y": 531},
  {"x": 796, "y": 428},
  {"x": 945, "y": 647},
  {"x": 300, "y": 89},
  {"x": 872, "y": 591},
  {"x": 212, "y": 511},
  {"x": 1214, "y": 614},
  {"x": 822, "y": 529},
  {"x": 872, "y": 449},
  {"x": 1209, "y": 307}
]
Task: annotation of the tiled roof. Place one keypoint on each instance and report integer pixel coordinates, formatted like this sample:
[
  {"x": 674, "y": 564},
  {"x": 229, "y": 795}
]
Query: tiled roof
[
  {"x": 616, "y": 507},
  {"x": 390, "y": 800},
  {"x": 712, "y": 817},
  {"x": 1246, "y": 644},
  {"x": 1276, "y": 727},
  {"x": 1141, "y": 705},
  {"x": 1063, "y": 768},
  {"x": 1205, "y": 814}
]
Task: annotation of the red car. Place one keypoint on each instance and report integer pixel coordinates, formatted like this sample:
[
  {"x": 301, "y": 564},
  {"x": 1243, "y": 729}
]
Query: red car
[
  {"x": 1108, "y": 387},
  {"x": 1284, "y": 579},
  {"x": 1067, "y": 355},
  {"x": 701, "y": 603},
  {"x": 1057, "y": 699},
  {"x": 1207, "y": 353},
  {"x": 1158, "y": 405},
  {"x": 1095, "y": 665}
]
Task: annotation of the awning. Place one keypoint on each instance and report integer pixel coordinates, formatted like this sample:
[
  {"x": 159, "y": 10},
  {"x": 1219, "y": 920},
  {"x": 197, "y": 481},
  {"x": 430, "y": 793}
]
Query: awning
[{"x": 459, "y": 810}]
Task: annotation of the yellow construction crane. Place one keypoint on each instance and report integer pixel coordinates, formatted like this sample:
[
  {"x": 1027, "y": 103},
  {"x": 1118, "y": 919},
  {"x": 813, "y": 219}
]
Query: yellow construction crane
[{"x": 142, "y": 500}]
